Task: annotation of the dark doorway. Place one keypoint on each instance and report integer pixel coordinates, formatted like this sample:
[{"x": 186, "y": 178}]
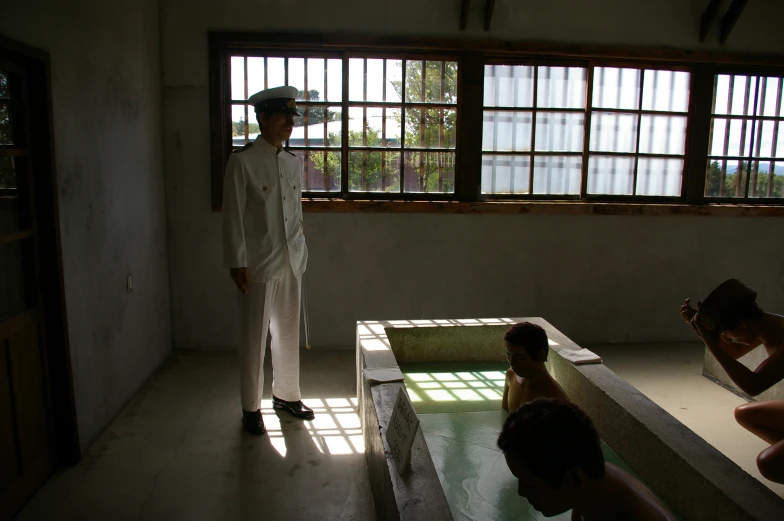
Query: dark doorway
[{"x": 37, "y": 414}]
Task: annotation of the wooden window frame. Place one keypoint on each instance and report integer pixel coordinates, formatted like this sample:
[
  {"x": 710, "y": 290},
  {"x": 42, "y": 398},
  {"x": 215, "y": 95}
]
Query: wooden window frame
[
  {"x": 471, "y": 56},
  {"x": 753, "y": 118}
]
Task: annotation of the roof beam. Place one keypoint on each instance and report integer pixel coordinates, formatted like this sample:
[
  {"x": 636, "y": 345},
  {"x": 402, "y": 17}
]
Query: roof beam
[
  {"x": 729, "y": 20},
  {"x": 708, "y": 17},
  {"x": 489, "y": 13},
  {"x": 464, "y": 14}
]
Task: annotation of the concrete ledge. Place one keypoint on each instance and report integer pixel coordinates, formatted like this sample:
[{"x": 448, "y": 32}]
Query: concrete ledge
[
  {"x": 696, "y": 480},
  {"x": 712, "y": 370}
]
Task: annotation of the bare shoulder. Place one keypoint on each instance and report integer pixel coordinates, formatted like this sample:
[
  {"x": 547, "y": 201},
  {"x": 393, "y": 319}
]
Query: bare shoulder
[{"x": 640, "y": 503}]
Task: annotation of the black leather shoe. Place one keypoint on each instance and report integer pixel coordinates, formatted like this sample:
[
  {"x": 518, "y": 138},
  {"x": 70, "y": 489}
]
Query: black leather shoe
[
  {"x": 296, "y": 409},
  {"x": 253, "y": 422}
]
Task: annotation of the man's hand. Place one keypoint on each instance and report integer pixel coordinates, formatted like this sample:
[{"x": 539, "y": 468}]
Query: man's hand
[
  {"x": 240, "y": 278},
  {"x": 687, "y": 312},
  {"x": 708, "y": 336}
]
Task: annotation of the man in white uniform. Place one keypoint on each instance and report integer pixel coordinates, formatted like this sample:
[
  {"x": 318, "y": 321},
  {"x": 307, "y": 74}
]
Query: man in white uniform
[{"x": 264, "y": 248}]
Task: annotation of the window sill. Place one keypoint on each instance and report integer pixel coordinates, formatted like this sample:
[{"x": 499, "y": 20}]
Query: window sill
[{"x": 539, "y": 208}]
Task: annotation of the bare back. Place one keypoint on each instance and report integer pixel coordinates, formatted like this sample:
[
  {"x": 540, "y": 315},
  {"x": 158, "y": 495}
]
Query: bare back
[{"x": 625, "y": 498}]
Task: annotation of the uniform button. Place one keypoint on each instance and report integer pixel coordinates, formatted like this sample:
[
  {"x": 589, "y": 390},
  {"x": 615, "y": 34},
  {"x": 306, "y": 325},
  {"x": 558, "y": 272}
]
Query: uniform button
[
  {"x": 287, "y": 220},
  {"x": 284, "y": 198}
]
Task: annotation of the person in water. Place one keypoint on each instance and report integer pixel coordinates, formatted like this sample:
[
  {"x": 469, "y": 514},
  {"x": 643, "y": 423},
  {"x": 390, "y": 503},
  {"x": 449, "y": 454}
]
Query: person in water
[
  {"x": 554, "y": 451},
  {"x": 527, "y": 377}
]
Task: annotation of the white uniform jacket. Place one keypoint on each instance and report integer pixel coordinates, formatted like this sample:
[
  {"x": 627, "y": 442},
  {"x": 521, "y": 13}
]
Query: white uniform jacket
[{"x": 262, "y": 213}]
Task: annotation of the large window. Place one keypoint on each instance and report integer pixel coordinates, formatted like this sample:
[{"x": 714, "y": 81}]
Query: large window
[
  {"x": 535, "y": 122},
  {"x": 398, "y": 119},
  {"x": 397, "y": 127},
  {"x": 532, "y": 132},
  {"x": 746, "y": 151},
  {"x": 316, "y": 137}
]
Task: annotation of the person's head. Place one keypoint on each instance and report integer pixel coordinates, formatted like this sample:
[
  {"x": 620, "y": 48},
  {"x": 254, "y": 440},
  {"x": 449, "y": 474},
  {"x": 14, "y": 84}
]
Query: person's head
[
  {"x": 526, "y": 347},
  {"x": 732, "y": 310},
  {"x": 552, "y": 448},
  {"x": 275, "y": 110},
  {"x": 275, "y": 126}
]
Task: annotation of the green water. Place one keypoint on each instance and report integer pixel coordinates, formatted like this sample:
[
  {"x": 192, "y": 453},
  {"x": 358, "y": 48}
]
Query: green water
[{"x": 459, "y": 409}]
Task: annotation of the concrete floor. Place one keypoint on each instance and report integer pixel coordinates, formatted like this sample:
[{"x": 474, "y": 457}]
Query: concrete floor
[
  {"x": 671, "y": 376},
  {"x": 177, "y": 452}
]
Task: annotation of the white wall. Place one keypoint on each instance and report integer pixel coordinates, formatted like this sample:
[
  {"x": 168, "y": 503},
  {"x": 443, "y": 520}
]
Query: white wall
[
  {"x": 598, "y": 278},
  {"x": 105, "y": 61}
]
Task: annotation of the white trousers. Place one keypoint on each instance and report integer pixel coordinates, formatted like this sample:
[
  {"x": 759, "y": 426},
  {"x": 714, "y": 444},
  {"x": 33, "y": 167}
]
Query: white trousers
[{"x": 270, "y": 307}]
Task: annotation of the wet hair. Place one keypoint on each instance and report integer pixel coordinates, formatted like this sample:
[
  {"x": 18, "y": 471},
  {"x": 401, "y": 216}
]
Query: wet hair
[
  {"x": 552, "y": 436},
  {"x": 531, "y": 337}
]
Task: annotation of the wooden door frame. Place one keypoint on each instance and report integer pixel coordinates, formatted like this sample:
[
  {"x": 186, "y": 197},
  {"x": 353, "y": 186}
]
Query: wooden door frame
[{"x": 54, "y": 325}]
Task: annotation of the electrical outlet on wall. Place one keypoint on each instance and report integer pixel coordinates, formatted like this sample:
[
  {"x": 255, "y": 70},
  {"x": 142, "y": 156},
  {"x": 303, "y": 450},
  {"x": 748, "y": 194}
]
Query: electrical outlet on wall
[{"x": 129, "y": 282}]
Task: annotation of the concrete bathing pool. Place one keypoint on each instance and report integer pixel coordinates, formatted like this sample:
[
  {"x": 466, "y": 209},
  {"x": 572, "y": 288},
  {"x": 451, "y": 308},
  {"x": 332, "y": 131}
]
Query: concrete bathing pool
[{"x": 455, "y": 472}]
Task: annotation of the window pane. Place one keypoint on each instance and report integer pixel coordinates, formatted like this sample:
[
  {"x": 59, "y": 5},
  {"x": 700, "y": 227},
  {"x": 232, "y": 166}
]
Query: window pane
[
  {"x": 769, "y": 96},
  {"x": 721, "y": 97},
  {"x": 616, "y": 88},
  {"x": 659, "y": 176},
  {"x": 506, "y": 174},
  {"x": 765, "y": 172},
  {"x": 6, "y": 136},
  {"x": 735, "y": 94},
  {"x": 383, "y": 127},
  {"x": 613, "y": 132},
  {"x": 297, "y": 76},
  {"x": 509, "y": 86},
  {"x": 429, "y": 172},
  {"x": 9, "y": 201},
  {"x": 334, "y": 86},
  {"x": 5, "y": 91},
  {"x": 315, "y": 86},
  {"x": 238, "y": 78},
  {"x": 276, "y": 72},
  {"x": 763, "y": 139},
  {"x": 559, "y": 132},
  {"x": 720, "y": 138},
  {"x": 662, "y": 134},
  {"x": 394, "y": 82},
  {"x": 320, "y": 170},
  {"x": 726, "y": 178},
  {"x": 376, "y": 82},
  {"x": 557, "y": 175},
  {"x": 666, "y": 90},
  {"x": 506, "y": 131},
  {"x": 431, "y": 82},
  {"x": 780, "y": 140},
  {"x": 238, "y": 125},
  {"x": 744, "y": 88},
  {"x": 610, "y": 175},
  {"x": 356, "y": 79},
  {"x": 374, "y": 171},
  {"x": 431, "y": 128},
  {"x": 256, "y": 75},
  {"x": 561, "y": 87},
  {"x": 311, "y": 132}
]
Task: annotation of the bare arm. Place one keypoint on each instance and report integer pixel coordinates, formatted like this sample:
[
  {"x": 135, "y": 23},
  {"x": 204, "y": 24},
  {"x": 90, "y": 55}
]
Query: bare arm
[
  {"x": 505, "y": 397},
  {"x": 734, "y": 350},
  {"x": 767, "y": 374}
]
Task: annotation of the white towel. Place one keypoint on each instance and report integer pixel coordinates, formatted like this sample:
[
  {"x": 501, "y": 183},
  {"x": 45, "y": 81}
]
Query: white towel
[
  {"x": 383, "y": 375},
  {"x": 580, "y": 356}
]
